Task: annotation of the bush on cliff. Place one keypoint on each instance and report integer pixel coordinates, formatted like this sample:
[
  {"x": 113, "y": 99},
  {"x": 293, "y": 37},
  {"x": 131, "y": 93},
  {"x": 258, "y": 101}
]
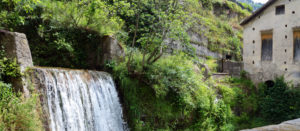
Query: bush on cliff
[{"x": 170, "y": 95}]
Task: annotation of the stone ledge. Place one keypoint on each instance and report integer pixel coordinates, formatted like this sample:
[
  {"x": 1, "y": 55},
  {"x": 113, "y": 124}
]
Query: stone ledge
[{"x": 292, "y": 125}]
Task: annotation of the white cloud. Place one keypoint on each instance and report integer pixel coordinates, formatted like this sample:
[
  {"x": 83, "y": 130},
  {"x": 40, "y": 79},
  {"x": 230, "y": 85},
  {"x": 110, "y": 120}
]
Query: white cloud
[{"x": 260, "y": 1}]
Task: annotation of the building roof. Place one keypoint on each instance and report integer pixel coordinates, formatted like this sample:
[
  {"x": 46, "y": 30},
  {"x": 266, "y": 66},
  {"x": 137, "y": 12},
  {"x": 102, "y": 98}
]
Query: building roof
[{"x": 257, "y": 12}]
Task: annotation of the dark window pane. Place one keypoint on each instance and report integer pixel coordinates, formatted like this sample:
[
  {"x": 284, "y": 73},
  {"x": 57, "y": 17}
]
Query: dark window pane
[
  {"x": 280, "y": 10},
  {"x": 267, "y": 48},
  {"x": 297, "y": 50}
]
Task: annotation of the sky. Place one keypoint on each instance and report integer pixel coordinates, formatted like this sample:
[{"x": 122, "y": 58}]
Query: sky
[{"x": 260, "y": 1}]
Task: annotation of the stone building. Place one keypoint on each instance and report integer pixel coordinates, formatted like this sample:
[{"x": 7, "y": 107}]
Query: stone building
[{"x": 272, "y": 41}]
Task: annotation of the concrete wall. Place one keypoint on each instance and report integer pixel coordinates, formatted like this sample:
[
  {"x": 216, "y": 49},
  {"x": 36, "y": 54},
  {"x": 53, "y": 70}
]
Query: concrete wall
[
  {"x": 16, "y": 47},
  {"x": 281, "y": 26},
  {"x": 230, "y": 67}
]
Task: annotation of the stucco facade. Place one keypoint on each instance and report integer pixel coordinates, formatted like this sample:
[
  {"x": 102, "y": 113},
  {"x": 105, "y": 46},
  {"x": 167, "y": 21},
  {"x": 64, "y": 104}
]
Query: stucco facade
[{"x": 282, "y": 28}]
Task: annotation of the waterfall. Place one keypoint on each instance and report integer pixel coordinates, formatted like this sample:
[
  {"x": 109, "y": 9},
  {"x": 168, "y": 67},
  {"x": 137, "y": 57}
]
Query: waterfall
[{"x": 79, "y": 100}]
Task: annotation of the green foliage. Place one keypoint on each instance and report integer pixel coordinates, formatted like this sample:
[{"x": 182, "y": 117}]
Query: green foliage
[
  {"x": 260, "y": 106},
  {"x": 246, "y": 6},
  {"x": 152, "y": 24},
  {"x": 244, "y": 103},
  {"x": 8, "y": 68},
  {"x": 18, "y": 113},
  {"x": 208, "y": 4},
  {"x": 14, "y": 12},
  {"x": 169, "y": 95},
  {"x": 236, "y": 8},
  {"x": 49, "y": 25},
  {"x": 92, "y": 14},
  {"x": 64, "y": 47},
  {"x": 280, "y": 102},
  {"x": 223, "y": 33},
  {"x": 212, "y": 64}
]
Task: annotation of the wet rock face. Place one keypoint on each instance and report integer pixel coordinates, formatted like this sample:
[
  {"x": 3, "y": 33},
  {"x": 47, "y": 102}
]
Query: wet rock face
[
  {"x": 292, "y": 125},
  {"x": 16, "y": 47}
]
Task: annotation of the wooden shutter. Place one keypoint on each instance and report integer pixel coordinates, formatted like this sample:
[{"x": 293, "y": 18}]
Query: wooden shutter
[{"x": 267, "y": 47}]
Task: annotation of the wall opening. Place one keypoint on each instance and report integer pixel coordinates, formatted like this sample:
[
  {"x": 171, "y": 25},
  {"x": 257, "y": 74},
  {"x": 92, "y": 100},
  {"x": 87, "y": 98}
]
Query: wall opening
[
  {"x": 267, "y": 46},
  {"x": 228, "y": 57},
  {"x": 270, "y": 83},
  {"x": 280, "y": 10},
  {"x": 297, "y": 45}
]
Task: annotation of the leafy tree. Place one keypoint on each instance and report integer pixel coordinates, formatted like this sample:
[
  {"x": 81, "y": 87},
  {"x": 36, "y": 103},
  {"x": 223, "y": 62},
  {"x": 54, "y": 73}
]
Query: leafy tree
[
  {"x": 14, "y": 12},
  {"x": 91, "y": 14},
  {"x": 155, "y": 22}
]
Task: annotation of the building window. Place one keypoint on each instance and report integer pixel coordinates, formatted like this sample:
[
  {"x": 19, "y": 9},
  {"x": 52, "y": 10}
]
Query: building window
[
  {"x": 280, "y": 10},
  {"x": 267, "y": 46},
  {"x": 297, "y": 46}
]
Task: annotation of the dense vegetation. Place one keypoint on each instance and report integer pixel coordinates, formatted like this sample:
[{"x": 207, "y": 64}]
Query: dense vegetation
[
  {"x": 173, "y": 94},
  {"x": 17, "y": 113},
  {"x": 160, "y": 89},
  {"x": 170, "y": 95},
  {"x": 61, "y": 33}
]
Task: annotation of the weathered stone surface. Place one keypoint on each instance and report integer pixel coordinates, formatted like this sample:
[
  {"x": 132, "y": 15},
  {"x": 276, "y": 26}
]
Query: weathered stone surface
[
  {"x": 112, "y": 49},
  {"x": 200, "y": 50},
  {"x": 292, "y": 125},
  {"x": 16, "y": 47},
  {"x": 231, "y": 67}
]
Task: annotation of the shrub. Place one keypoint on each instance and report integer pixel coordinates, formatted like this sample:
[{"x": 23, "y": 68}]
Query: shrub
[
  {"x": 16, "y": 112},
  {"x": 280, "y": 102},
  {"x": 14, "y": 12},
  {"x": 8, "y": 67},
  {"x": 169, "y": 95},
  {"x": 264, "y": 105}
]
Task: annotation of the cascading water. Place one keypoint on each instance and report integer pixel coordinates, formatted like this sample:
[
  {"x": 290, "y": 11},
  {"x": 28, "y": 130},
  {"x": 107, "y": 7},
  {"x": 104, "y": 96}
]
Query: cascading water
[{"x": 81, "y": 100}]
